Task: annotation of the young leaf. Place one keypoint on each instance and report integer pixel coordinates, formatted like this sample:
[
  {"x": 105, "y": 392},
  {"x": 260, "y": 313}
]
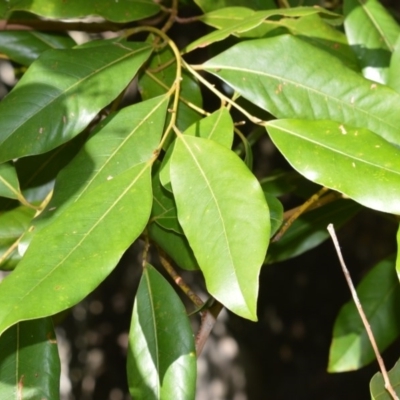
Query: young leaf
[
  {"x": 372, "y": 33},
  {"x": 312, "y": 84},
  {"x": 350, "y": 347},
  {"x": 377, "y": 384},
  {"x": 9, "y": 185},
  {"x": 29, "y": 363},
  {"x": 309, "y": 230},
  {"x": 112, "y": 10},
  {"x": 90, "y": 237},
  {"x": 175, "y": 245},
  {"x": 62, "y": 92},
  {"x": 352, "y": 161},
  {"x": 225, "y": 217},
  {"x": 25, "y": 47},
  {"x": 161, "y": 353}
]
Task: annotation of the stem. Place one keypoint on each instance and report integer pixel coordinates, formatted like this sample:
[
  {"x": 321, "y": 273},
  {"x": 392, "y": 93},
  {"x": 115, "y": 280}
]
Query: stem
[
  {"x": 307, "y": 204},
  {"x": 360, "y": 310}
]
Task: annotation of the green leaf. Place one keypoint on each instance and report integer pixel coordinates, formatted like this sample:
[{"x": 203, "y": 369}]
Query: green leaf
[
  {"x": 248, "y": 22},
  {"x": 225, "y": 217},
  {"x": 211, "y": 5},
  {"x": 398, "y": 253},
  {"x": 62, "y": 92},
  {"x": 393, "y": 75},
  {"x": 90, "y": 237},
  {"x": 321, "y": 34},
  {"x": 25, "y": 47},
  {"x": 352, "y": 161},
  {"x": 13, "y": 224},
  {"x": 120, "y": 142},
  {"x": 161, "y": 353},
  {"x": 323, "y": 88},
  {"x": 29, "y": 363},
  {"x": 158, "y": 79},
  {"x": 309, "y": 230},
  {"x": 377, "y": 385},
  {"x": 372, "y": 32},
  {"x": 350, "y": 347},
  {"x": 275, "y": 211},
  {"x": 175, "y": 245},
  {"x": 9, "y": 185},
  {"x": 124, "y": 11}
]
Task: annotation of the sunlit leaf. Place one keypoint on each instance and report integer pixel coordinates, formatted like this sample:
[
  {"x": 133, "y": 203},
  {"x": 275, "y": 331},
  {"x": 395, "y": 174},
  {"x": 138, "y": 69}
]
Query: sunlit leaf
[
  {"x": 29, "y": 363},
  {"x": 161, "y": 354},
  {"x": 62, "y": 92},
  {"x": 353, "y": 161},
  {"x": 124, "y": 11},
  {"x": 225, "y": 218},
  {"x": 372, "y": 32},
  {"x": 210, "y": 5},
  {"x": 350, "y": 347},
  {"x": 294, "y": 79}
]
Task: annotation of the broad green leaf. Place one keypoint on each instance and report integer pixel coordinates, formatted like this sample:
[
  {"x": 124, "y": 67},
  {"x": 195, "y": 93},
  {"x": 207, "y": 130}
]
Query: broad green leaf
[
  {"x": 62, "y": 92},
  {"x": 124, "y": 11},
  {"x": 353, "y": 161},
  {"x": 161, "y": 353},
  {"x": 377, "y": 385},
  {"x": 90, "y": 237},
  {"x": 275, "y": 212},
  {"x": 217, "y": 126},
  {"x": 164, "y": 211},
  {"x": 211, "y": 5},
  {"x": 175, "y": 245},
  {"x": 394, "y": 68},
  {"x": 120, "y": 142},
  {"x": 249, "y": 22},
  {"x": 25, "y": 47},
  {"x": 309, "y": 230},
  {"x": 225, "y": 217},
  {"x": 322, "y": 35},
  {"x": 9, "y": 185},
  {"x": 29, "y": 362},
  {"x": 13, "y": 224},
  {"x": 308, "y": 84},
  {"x": 158, "y": 79},
  {"x": 372, "y": 32},
  {"x": 350, "y": 347}
]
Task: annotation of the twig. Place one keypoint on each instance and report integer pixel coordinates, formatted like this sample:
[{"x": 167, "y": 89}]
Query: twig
[
  {"x": 300, "y": 210},
  {"x": 388, "y": 385}
]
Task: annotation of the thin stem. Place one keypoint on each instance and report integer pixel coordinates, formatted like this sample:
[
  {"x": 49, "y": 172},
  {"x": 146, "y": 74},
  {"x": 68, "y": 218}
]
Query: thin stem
[
  {"x": 197, "y": 301},
  {"x": 388, "y": 385},
  {"x": 171, "y": 19},
  {"x": 307, "y": 204},
  {"x": 192, "y": 69},
  {"x": 10, "y": 250}
]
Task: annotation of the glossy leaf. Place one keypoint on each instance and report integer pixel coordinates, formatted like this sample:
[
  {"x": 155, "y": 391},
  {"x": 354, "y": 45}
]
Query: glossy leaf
[
  {"x": 225, "y": 218},
  {"x": 175, "y": 245},
  {"x": 211, "y": 5},
  {"x": 160, "y": 76},
  {"x": 9, "y": 185},
  {"x": 62, "y": 92},
  {"x": 248, "y": 22},
  {"x": 372, "y": 32},
  {"x": 13, "y": 224},
  {"x": 350, "y": 347},
  {"x": 120, "y": 142},
  {"x": 25, "y": 47},
  {"x": 308, "y": 84},
  {"x": 353, "y": 161},
  {"x": 29, "y": 363},
  {"x": 309, "y": 230},
  {"x": 124, "y": 11},
  {"x": 377, "y": 385},
  {"x": 161, "y": 353},
  {"x": 93, "y": 232}
]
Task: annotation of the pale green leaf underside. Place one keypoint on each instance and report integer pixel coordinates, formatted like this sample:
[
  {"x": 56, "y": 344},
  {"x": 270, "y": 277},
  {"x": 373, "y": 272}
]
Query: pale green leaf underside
[
  {"x": 353, "y": 161},
  {"x": 223, "y": 212}
]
